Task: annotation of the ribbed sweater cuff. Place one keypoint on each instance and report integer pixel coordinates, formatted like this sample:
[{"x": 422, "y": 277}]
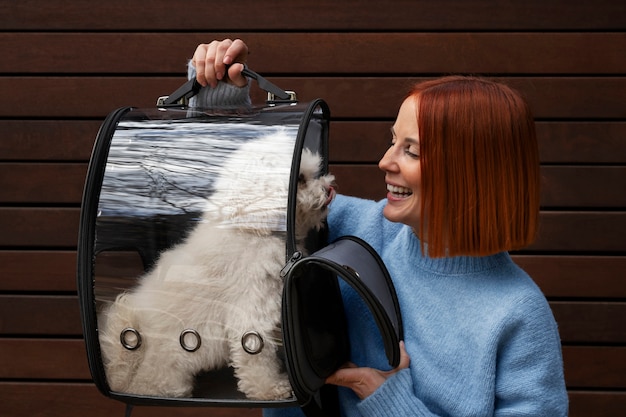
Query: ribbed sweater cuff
[
  {"x": 223, "y": 95},
  {"x": 395, "y": 394}
]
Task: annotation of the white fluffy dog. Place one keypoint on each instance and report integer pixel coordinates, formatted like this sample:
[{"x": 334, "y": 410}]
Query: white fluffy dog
[{"x": 219, "y": 291}]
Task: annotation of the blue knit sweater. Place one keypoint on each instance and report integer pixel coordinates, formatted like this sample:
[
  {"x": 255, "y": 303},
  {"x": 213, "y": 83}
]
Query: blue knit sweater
[{"x": 480, "y": 334}]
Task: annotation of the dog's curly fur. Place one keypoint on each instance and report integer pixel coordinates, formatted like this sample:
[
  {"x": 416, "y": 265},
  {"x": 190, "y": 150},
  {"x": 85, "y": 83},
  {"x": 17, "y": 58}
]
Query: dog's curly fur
[{"x": 222, "y": 281}]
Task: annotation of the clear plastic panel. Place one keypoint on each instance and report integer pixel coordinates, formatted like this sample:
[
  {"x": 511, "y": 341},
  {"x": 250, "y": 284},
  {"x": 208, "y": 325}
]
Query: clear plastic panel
[{"x": 185, "y": 206}]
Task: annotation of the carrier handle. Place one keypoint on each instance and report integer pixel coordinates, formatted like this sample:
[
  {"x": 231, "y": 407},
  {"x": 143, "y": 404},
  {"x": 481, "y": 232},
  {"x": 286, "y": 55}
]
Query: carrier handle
[{"x": 192, "y": 87}]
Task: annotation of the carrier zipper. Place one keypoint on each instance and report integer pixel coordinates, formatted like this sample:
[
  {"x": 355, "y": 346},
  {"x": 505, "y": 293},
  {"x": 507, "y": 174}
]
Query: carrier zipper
[{"x": 295, "y": 257}]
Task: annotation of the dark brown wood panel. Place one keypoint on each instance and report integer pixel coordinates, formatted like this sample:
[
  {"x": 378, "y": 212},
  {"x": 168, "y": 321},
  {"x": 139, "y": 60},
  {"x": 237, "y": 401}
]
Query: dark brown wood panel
[
  {"x": 24, "y": 359},
  {"x": 588, "y": 277},
  {"x": 586, "y": 363},
  {"x": 66, "y": 65},
  {"x": 22, "y": 315},
  {"x": 366, "y": 181},
  {"x": 595, "y": 231},
  {"x": 43, "y": 183},
  {"x": 38, "y": 271},
  {"x": 360, "y": 142},
  {"x": 600, "y": 322},
  {"x": 348, "y": 97},
  {"x": 319, "y": 15},
  {"x": 597, "y": 404},
  {"x": 38, "y": 227},
  {"x": 577, "y": 186},
  {"x": 582, "y": 142},
  {"x": 53, "y": 359},
  {"x": 597, "y": 322},
  {"x": 560, "y": 231},
  {"x": 562, "y": 186},
  {"x": 72, "y": 399},
  {"x": 47, "y": 140},
  {"x": 485, "y": 53},
  {"x": 81, "y": 399},
  {"x": 577, "y": 276}
]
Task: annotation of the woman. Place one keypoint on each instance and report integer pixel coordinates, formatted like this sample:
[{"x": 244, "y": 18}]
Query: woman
[{"x": 462, "y": 176}]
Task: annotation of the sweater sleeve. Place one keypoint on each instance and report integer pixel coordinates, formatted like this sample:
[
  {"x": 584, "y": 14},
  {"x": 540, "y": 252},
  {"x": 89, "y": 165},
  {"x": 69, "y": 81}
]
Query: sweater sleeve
[
  {"x": 529, "y": 373},
  {"x": 529, "y": 369},
  {"x": 359, "y": 217},
  {"x": 224, "y": 95}
]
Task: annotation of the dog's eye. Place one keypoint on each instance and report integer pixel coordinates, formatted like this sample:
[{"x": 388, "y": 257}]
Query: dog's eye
[{"x": 301, "y": 179}]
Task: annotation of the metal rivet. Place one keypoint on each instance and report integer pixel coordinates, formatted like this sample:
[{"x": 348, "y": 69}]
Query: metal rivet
[
  {"x": 183, "y": 343},
  {"x": 252, "y": 342},
  {"x": 126, "y": 343},
  {"x": 350, "y": 269}
]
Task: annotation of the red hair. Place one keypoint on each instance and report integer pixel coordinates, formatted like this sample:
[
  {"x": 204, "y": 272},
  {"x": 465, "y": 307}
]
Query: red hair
[{"x": 480, "y": 167}]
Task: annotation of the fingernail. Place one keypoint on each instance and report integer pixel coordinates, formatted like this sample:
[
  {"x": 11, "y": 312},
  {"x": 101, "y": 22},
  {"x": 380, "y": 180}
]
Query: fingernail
[{"x": 219, "y": 75}]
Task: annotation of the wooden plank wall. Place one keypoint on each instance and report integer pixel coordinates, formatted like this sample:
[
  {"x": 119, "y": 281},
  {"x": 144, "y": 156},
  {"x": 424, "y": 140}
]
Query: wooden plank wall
[{"x": 66, "y": 64}]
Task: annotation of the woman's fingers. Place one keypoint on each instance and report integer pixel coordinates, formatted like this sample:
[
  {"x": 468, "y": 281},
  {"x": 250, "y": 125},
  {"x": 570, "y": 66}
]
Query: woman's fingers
[
  {"x": 212, "y": 62},
  {"x": 364, "y": 381}
]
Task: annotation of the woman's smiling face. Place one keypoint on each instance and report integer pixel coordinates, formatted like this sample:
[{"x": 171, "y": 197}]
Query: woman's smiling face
[{"x": 401, "y": 164}]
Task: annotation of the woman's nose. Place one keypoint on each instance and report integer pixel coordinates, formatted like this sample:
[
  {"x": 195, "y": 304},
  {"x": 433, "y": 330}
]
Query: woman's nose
[{"x": 386, "y": 162}]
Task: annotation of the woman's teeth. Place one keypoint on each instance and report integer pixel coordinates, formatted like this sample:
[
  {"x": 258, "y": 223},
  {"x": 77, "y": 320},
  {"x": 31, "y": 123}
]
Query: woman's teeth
[{"x": 399, "y": 191}]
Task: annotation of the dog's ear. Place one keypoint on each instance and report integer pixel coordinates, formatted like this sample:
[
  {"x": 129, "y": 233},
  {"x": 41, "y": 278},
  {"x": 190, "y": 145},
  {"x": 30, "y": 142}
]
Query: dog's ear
[{"x": 310, "y": 163}]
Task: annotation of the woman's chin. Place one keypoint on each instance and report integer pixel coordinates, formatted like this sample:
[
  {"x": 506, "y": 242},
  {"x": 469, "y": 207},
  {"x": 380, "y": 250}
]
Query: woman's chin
[{"x": 401, "y": 211}]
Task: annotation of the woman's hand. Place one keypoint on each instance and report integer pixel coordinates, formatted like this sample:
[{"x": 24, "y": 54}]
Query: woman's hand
[
  {"x": 364, "y": 381},
  {"x": 211, "y": 61}
]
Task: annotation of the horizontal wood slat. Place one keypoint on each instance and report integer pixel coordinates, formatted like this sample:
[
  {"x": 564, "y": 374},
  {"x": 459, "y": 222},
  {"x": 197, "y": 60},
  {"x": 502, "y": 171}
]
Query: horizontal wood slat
[
  {"x": 38, "y": 271},
  {"x": 81, "y": 399},
  {"x": 47, "y": 140},
  {"x": 40, "y": 315},
  {"x": 582, "y": 322},
  {"x": 581, "y": 231},
  {"x": 568, "y": 186},
  {"x": 36, "y": 227},
  {"x": 30, "y": 359},
  {"x": 597, "y": 322},
  {"x": 43, "y": 359},
  {"x": 559, "y": 142},
  {"x": 319, "y": 15},
  {"x": 577, "y": 276},
  {"x": 66, "y": 65},
  {"x": 348, "y": 97},
  {"x": 360, "y": 142},
  {"x": 596, "y": 403},
  {"x": 584, "y": 364},
  {"x": 42, "y": 183},
  {"x": 562, "y": 186},
  {"x": 485, "y": 53},
  {"x": 560, "y": 231},
  {"x": 582, "y": 142},
  {"x": 71, "y": 399},
  {"x": 589, "y": 277}
]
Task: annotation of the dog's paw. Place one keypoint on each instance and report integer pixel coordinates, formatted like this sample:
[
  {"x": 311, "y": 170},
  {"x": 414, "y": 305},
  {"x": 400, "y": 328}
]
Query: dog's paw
[
  {"x": 274, "y": 390},
  {"x": 282, "y": 390}
]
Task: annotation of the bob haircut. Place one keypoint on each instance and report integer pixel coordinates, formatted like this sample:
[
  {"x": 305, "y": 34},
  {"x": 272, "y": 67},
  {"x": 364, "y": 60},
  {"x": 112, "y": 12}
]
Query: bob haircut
[{"x": 479, "y": 165}]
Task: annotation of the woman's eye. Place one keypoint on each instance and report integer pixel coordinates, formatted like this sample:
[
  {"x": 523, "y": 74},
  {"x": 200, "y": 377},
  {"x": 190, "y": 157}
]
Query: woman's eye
[{"x": 409, "y": 151}]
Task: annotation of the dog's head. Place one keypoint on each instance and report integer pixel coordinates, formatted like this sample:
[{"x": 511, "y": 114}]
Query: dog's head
[
  {"x": 315, "y": 193},
  {"x": 252, "y": 190}
]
